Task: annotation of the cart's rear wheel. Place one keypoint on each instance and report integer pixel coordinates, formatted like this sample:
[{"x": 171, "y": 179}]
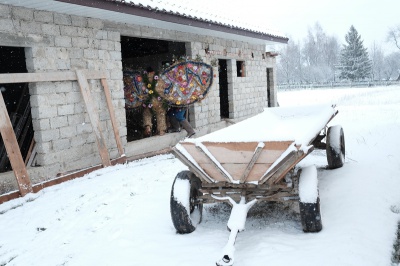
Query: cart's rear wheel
[
  {"x": 335, "y": 147},
  {"x": 186, "y": 212},
  {"x": 310, "y": 213}
]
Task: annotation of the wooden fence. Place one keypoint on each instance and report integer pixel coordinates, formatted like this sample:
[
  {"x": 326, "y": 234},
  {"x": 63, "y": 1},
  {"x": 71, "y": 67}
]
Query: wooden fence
[{"x": 284, "y": 86}]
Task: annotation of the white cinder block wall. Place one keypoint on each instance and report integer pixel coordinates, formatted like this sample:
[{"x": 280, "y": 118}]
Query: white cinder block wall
[{"x": 60, "y": 42}]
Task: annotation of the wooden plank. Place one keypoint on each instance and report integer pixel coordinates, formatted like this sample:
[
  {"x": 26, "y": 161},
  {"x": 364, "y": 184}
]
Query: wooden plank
[
  {"x": 112, "y": 116},
  {"x": 50, "y": 76},
  {"x": 203, "y": 161},
  {"x": 94, "y": 118},
  {"x": 242, "y": 152},
  {"x": 191, "y": 166},
  {"x": 276, "y": 167},
  {"x": 13, "y": 151},
  {"x": 253, "y": 160},
  {"x": 212, "y": 161},
  {"x": 286, "y": 165}
]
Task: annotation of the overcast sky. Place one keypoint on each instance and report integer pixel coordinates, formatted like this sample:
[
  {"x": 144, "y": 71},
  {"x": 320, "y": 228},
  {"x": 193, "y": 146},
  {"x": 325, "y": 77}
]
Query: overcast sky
[{"x": 371, "y": 18}]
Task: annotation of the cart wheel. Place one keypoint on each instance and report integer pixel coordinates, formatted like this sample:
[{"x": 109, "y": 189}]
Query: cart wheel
[
  {"x": 310, "y": 217},
  {"x": 185, "y": 212},
  {"x": 310, "y": 213},
  {"x": 335, "y": 147}
]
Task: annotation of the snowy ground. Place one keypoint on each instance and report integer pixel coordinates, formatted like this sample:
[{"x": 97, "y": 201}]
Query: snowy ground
[{"x": 120, "y": 215}]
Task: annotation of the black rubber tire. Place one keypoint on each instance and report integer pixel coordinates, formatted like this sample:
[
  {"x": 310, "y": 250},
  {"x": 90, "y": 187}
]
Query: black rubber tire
[
  {"x": 186, "y": 221},
  {"x": 335, "y": 147},
  {"x": 310, "y": 215}
]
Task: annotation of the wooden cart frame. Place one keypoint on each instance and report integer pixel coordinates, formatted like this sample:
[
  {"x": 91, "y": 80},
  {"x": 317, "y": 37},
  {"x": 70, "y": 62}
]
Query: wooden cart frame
[{"x": 243, "y": 173}]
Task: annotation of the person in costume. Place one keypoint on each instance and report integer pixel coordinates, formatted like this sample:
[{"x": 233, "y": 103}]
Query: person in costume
[{"x": 155, "y": 104}]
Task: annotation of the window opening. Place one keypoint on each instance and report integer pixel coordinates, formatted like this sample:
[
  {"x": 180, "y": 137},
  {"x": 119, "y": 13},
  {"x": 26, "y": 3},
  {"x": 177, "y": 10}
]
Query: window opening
[{"x": 240, "y": 68}]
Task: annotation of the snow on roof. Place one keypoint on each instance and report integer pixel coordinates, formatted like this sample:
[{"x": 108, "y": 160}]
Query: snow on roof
[
  {"x": 202, "y": 12},
  {"x": 300, "y": 124}
]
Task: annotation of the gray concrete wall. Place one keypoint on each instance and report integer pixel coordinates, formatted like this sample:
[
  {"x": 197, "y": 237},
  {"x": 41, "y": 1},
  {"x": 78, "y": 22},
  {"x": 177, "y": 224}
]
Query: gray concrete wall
[{"x": 61, "y": 42}]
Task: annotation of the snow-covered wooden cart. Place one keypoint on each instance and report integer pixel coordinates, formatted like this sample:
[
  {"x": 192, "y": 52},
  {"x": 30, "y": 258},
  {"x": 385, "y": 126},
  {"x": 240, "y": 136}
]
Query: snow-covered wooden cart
[{"x": 255, "y": 160}]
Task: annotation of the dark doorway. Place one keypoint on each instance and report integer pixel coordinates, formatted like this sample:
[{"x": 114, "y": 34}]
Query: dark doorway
[
  {"x": 137, "y": 55},
  {"x": 269, "y": 85},
  {"x": 223, "y": 88},
  {"x": 16, "y": 97}
]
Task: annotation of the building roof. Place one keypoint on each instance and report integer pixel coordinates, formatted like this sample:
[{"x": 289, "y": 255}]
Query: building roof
[{"x": 179, "y": 15}]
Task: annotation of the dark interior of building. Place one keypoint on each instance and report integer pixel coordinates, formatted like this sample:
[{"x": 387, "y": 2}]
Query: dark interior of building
[
  {"x": 138, "y": 54},
  {"x": 16, "y": 98}
]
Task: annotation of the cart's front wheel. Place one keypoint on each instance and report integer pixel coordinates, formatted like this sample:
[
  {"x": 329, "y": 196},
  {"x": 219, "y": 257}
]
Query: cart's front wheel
[
  {"x": 310, "y": 213},
  {"x": 186, "y": 211},
  {"x": 335, "y": 147}
]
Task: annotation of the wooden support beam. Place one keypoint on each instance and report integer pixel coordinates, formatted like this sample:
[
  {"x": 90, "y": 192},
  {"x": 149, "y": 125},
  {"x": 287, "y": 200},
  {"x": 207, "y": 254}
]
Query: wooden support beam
[
  {"x": 203, "y": 176},
  {"x": 50, "y": 76},
  {"x": 13, "y": 151},
  {"x": 94, "y": 117},
  {"x": 112, "y": 116},
  {"x": 219, "y": 168},
  {"x": 253, "y": 160}
]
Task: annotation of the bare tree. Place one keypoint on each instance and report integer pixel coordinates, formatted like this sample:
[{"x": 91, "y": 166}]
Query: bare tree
[
  {"x": 393, "y": 35},
  {"x": 289, "y": 63},
  {"x": 320, "y": 53},
  {"x": 392, "y": 66},
  {"x": 377, "y": 59}
]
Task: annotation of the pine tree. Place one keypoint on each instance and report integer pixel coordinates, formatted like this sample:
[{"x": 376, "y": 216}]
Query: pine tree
[{"x": 354, "y": 60}]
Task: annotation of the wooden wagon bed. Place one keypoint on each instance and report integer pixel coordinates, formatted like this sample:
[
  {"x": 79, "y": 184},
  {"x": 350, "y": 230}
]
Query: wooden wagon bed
[{"x": 262, "y": 149}]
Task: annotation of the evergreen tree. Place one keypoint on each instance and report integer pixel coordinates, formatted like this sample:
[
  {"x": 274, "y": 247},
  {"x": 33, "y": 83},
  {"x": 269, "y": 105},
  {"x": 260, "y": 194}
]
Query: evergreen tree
[{"x": 354, "y": 60}]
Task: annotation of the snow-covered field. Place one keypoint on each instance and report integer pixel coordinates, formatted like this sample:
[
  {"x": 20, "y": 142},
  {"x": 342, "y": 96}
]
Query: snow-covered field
[{"x": 120, "y": 215}]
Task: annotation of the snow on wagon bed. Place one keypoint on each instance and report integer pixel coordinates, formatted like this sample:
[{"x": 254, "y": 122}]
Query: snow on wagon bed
[
  {"x": 252, "y": 150},
  {"x": 253, "y": 161}
]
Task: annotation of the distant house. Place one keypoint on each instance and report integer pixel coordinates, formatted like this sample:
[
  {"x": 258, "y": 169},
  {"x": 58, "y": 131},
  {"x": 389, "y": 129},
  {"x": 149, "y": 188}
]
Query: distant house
[{"x": 40, "y": 36}]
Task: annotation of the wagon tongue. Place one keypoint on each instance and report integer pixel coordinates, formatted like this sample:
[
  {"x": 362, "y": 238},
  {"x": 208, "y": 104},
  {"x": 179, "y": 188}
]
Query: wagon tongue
[{"x": 236, "y": 223}]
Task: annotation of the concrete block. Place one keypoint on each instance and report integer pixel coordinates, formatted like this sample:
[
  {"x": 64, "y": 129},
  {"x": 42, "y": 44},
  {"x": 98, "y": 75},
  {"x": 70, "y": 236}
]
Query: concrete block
[
  {"x": 76, "y": 119},
  {"x": 79, "y": 21},
  {"x": 95, "y": 23},
  {"x": 80, "y": 42},
  {"x": 78, "y": 64},
  {"x": 47, "y": 135},
  {"x": 6, "y": 25},
  {"x": 39, "y": 100},
  {"x": 58, "y": 122},
  {"x": 31, "y": 27},
  {"x": 43, "y": 16},
  {"x": 22, "y": 13},
  {"x": 117, "y": 46},
  {"x": 68, "y": 132},
  {"x": 69, "y": 30},
  {"x": 67, "y": 109},
  {"x": 50, "y": 29},
  {"x": 44, "y": 112},
  {"x": 63, "y": 86},
  {"x": 91, "y": 54},
  {"x": 114, "y": 36},
  {"x": 61, "y": 144},
  {"x": 84, "y": 128},
  {"x": 63, "y": 41},
  {"x": 5, "y": 11},
  {"x": 41, "y": 124},
  {"x": 100, "y": 34},
  {"x": 86, "y": 32},
  {"x": 73, "y": 97},
  {"x": 75, "y": 53},
  {"x": 62, "y": 19},
  {"x": 44, "y": 147}
]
